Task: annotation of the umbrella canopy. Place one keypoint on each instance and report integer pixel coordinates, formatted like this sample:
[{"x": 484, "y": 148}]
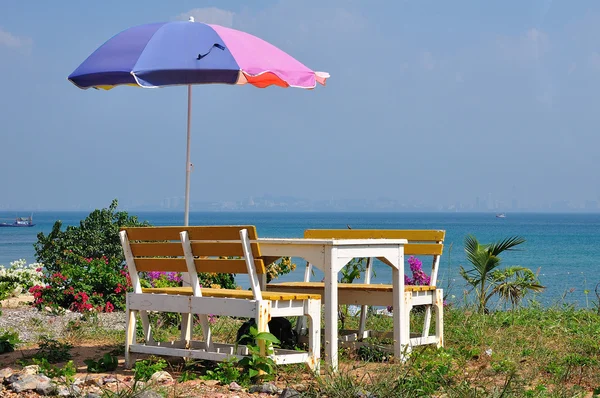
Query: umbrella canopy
[
  {"x": 187, "y": 53},
  {"x": 182, "y": 53}
]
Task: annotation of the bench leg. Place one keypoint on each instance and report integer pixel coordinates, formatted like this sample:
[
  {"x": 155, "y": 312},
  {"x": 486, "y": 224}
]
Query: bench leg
[
  {"x": 186, "y": 328},
  {"x": 427, "y": 321},
  {"x": 262, "y": 322},
  {"x": 146, "y": 327},
  {"x": 362, "y": 326},
  {"x": 301, "y": 325},
  {"x": 439, "y": 317},
  {"x": 206, "y": 332},
  {"x": 130, "y": 326},
  {"x": 313, "y": 313},
  {"x": 404, "y": 345}
]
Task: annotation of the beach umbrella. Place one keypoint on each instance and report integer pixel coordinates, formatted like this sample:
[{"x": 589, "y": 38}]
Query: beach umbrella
[{"x": 187, "y": 53}]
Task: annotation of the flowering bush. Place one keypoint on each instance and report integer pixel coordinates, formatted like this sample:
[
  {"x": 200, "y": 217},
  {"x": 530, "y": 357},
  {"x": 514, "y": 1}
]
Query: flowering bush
[
  {"x": 281, "y": 267},
  {"x": 18, "y": 277},
  {"x": 163, "y": 279},
  {"x": 419, "y": 278},
  {"x": 83, "y": 284}
]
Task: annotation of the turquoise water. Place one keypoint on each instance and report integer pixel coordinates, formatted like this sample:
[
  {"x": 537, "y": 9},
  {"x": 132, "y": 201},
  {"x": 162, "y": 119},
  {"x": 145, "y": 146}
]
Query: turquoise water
[{"x": 565, "y": 248}]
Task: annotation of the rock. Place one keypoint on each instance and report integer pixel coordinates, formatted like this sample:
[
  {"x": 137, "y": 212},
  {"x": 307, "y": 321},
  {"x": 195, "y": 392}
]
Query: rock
[
  {"x": 108, "y": 380},
  {"x": 265, "y": 387},
  {"x": 92, "y": 395},
  {"x": 24, "y": 383},
  {"x": 6, "y": 373},
  {"x": 364, "y": 394},
  {"x": 161, "y": 377},
  {"x": 93, "y": 380},
  {"x": 78, "y": 381},
  {"x": 13, "y": 378},
  {"x": 289, "y": 393},
  {"x": 233, "y": 386},
  {"x": 46, "y": 387},
  {"x": 70, "y": 391},
  {"x": 94, "y": 390},
  {"x": 300, "y": 387},
  {"x": 149, "y": 394},
  {"x": 31, "y": 370}
]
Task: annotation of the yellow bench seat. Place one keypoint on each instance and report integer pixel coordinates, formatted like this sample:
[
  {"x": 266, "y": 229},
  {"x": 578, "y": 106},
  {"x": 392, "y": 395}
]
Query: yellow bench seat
[
  {"x": 358, "y": 287},
  {"x": 232, "y": 293}
]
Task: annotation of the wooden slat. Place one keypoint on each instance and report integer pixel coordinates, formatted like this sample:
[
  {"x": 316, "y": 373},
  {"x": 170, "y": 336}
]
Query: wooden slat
[
  {"x": 216, "y": 266},
  {"x": 157, "y": 249},
  {"x": 160, "y": 264},
  {"x": 199, "y": 248},
  {"x": 411, "y": 235},
  {"x": 231, "y": 293},
  {"x": 225, "y": 266},
  {"x": 423, "y": 249},
  {"x": 217, "y": 232},
  {"x": 228, "y": 249}
]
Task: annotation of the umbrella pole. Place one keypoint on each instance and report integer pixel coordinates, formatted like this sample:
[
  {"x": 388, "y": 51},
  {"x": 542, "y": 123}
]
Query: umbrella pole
[{"x": 188, "y": 164}]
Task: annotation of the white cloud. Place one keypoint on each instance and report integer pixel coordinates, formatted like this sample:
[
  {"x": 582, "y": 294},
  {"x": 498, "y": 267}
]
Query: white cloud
[
  {"x": 7, "y": 39},
  {"x": 212, "y": 15}
]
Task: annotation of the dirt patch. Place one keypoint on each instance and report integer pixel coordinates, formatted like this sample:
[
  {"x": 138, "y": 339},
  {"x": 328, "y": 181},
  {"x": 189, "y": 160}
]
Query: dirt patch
[{"x": 21, "y": 301}]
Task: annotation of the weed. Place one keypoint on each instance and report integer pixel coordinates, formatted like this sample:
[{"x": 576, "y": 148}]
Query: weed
[
  {"x": 107, "y": 363},
  {"x": 52, "y": 371},
  {"x": 8, "y": 341},
  {"x": 226, "y": 372},
  {"x": 371, "y": 353},
  {"x": 52, "y": 350},
  {"x": 143, "y": 370},
  {"x": 256, "y": 365}
]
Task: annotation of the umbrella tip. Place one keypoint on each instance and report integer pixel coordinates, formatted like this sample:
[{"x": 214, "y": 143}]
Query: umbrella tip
[{"x": 192, "y": 19}]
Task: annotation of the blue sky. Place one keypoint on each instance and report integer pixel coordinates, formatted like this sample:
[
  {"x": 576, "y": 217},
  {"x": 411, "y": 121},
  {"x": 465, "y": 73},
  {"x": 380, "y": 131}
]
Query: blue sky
[{"x": 430, "y": 102}]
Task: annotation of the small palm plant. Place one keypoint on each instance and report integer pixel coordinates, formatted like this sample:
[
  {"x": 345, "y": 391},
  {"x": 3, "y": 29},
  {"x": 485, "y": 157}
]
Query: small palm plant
[{"x": 511, "y": 284}]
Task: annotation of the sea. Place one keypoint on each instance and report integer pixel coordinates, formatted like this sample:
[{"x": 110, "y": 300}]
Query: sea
[{"x": 564, "y": 249}]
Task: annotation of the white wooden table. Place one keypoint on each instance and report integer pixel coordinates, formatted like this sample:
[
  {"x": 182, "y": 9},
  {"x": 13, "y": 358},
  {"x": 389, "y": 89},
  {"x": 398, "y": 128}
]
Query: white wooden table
[{"x": 330, "y": 256}]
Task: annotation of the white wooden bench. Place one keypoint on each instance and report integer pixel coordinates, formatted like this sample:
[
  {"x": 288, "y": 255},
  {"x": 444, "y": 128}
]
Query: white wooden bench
[
  {"x": 420, "y": 243},
  {"x": 213, "y": 249}
]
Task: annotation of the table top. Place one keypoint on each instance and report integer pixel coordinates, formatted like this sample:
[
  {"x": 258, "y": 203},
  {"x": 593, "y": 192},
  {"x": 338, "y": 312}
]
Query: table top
[{"x": 332, "y": 241}]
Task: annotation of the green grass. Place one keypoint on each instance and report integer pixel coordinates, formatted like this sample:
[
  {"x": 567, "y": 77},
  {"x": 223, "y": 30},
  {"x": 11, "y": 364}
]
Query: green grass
[{"x": 530, "y": 352}]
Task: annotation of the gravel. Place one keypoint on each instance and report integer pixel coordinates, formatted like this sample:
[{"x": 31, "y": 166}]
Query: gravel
[{"x": 31, "y": 323}]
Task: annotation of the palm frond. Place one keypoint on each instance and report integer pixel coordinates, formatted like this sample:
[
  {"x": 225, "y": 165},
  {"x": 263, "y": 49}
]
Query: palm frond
[{"x": 505, "y": 244}]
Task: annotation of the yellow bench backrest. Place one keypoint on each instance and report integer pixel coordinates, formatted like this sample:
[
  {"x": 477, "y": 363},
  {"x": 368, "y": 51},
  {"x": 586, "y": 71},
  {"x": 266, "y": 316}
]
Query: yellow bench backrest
[
  {"x": 217, "y": 249},
  {"x": 420, "y": 241}
]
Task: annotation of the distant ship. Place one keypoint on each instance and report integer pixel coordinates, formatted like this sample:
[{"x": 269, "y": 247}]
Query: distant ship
[
  {"x": 19, "y": 222},
  {"x": 500, "y": 215}
]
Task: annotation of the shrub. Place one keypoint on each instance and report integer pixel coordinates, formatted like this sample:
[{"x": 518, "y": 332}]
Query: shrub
[
  {"x": 96, "y": 236},
  {"x": 281, "y": 267},
  {"x": 83, "y": 285},
  {"x": 8, "y": 341},
  {"x": 18, "y": 277}
]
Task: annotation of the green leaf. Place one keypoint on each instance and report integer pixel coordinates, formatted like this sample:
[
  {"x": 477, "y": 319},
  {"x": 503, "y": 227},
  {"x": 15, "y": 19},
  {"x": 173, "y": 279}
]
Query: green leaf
[{"x": 266, "y": 336}]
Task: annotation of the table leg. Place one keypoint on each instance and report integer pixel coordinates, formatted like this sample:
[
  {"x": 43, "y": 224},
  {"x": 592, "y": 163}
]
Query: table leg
[
  {"x": 331, "y": 320},
  {"x": 401, "y": 318}
]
